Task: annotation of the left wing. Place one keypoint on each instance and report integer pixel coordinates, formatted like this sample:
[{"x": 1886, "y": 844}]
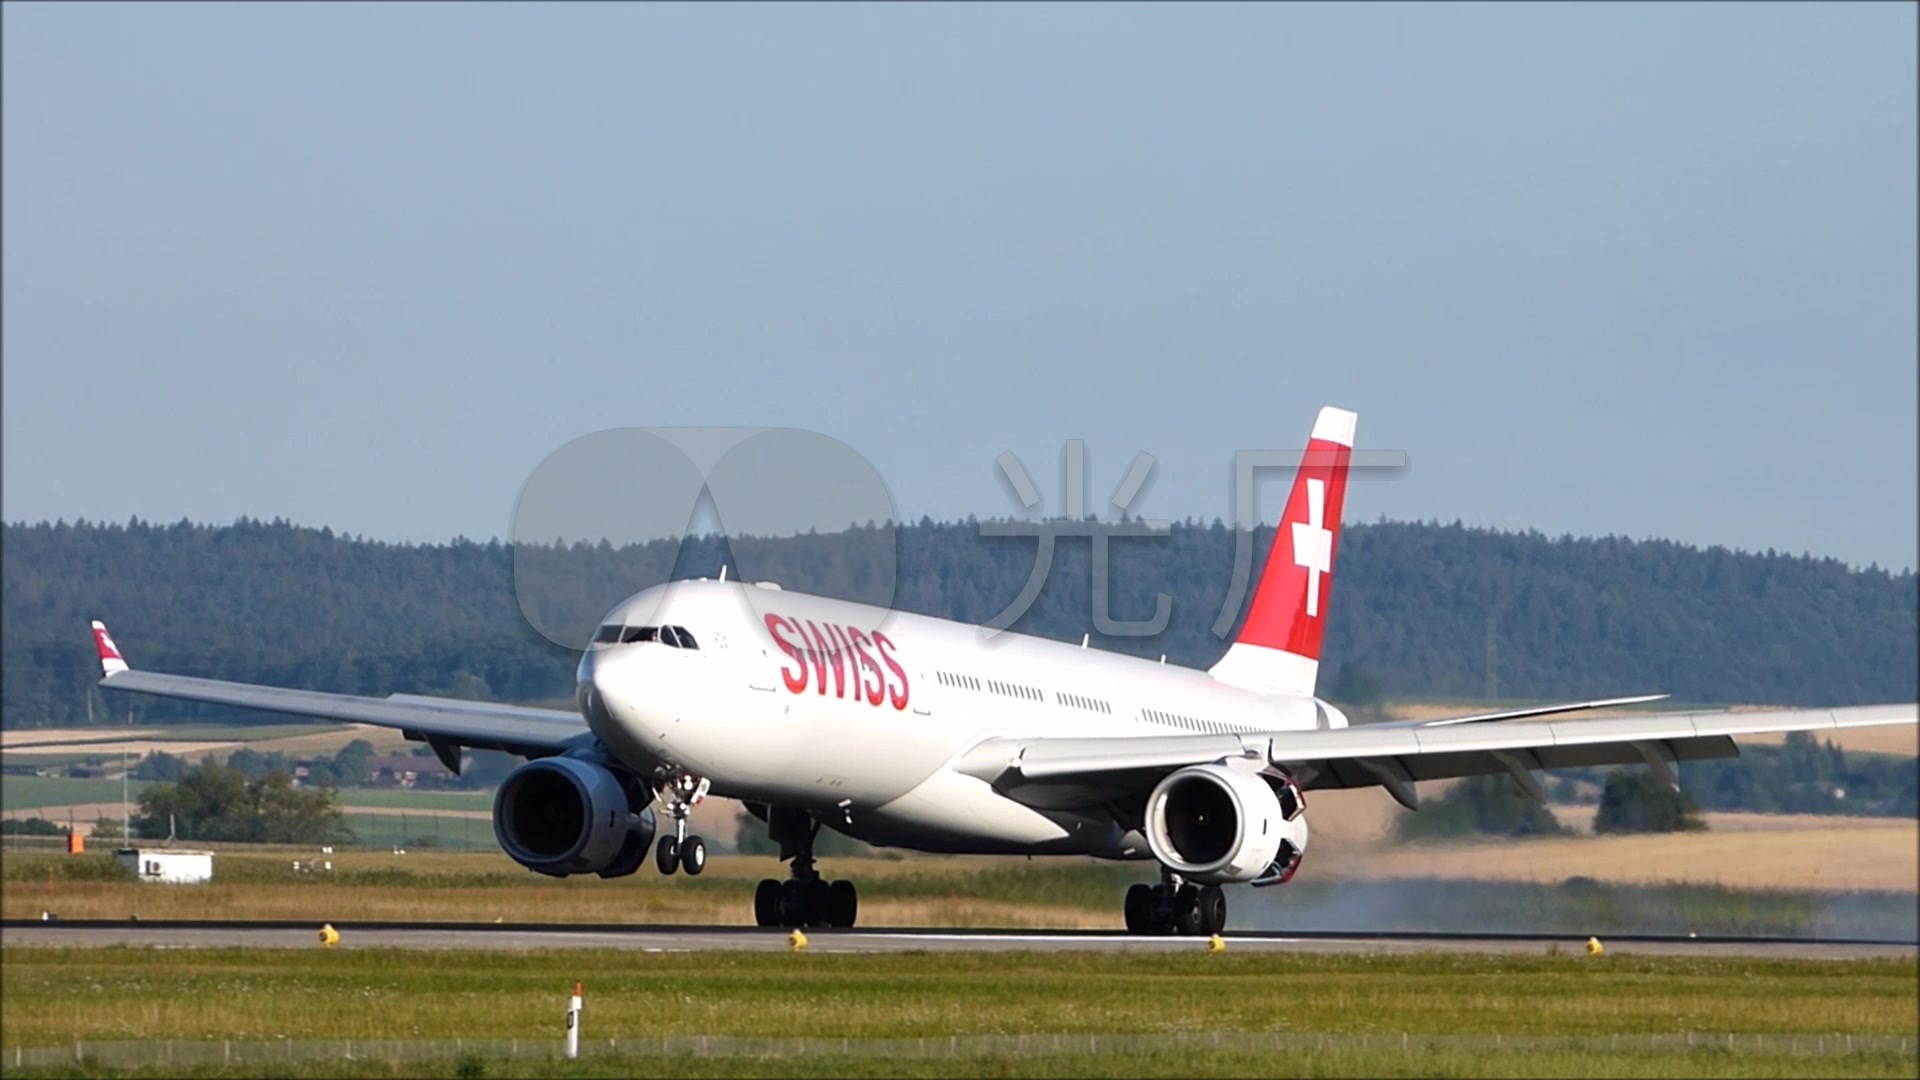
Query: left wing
[
  {"x": 1068, "y": 773},
  {"x": 446, "y": 724}
]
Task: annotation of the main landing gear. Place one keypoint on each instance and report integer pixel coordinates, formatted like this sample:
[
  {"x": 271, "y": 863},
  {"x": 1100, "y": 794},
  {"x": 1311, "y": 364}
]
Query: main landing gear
[
  {"x": 1175, "y": 907},
  {"x": 680, "y": 851},
  {"x": 805, "y": 898}
]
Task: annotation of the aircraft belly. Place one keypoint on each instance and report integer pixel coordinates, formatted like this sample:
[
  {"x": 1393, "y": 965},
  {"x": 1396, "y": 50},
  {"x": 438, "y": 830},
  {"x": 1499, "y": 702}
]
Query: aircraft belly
[{"x": 949, "y": 812}]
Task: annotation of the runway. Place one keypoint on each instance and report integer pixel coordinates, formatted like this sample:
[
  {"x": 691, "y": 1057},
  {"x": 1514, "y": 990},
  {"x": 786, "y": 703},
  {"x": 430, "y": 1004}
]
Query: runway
[{"x": 666, "y": 938}]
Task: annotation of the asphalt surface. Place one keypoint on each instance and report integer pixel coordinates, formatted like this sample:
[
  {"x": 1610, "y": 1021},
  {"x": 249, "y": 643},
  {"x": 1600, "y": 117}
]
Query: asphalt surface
[{"x": 508, "y": 937}]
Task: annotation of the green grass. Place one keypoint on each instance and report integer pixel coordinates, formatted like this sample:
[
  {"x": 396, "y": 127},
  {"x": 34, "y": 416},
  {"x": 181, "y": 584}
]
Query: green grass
[
  {"x": 408, "y": 799},
  {"x": 1314, "y": 1058},
  {"x": 456, "y": 886},
  {"x": 28, "y": 759},
  {"x": 240, "y": 733},
  {"x": 425, "y": 830},
  {"x": 30, "y": 792},
  {"x": 56, "y": 996}
]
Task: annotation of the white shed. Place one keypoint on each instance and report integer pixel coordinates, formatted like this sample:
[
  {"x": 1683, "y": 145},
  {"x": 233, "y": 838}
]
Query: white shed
[{"x": 167, "y": 864}]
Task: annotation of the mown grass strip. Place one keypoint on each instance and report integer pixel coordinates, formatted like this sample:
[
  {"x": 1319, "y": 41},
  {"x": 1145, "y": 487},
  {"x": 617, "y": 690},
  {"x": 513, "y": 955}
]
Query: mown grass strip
[
  {"x": 1210, "y": 1053},
  {"x": 56, "y": 996}
]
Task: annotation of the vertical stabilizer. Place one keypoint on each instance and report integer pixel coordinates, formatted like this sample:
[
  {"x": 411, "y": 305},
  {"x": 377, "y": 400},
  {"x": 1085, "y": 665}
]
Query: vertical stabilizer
[{"x": 1278, "y": 648}]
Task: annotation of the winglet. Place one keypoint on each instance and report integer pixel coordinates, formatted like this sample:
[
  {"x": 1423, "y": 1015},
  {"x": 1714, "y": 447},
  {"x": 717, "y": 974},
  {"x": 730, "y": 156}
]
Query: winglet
[{"x": 111, "y": 662}]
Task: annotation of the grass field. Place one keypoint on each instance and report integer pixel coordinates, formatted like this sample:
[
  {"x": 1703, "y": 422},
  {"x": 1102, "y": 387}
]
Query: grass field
[
  {"x": 31, "y": 792},
  {"x": 409, "y": 799},
  {"x": 968, "y": 892},
  {"x": 58, "y": 996}
]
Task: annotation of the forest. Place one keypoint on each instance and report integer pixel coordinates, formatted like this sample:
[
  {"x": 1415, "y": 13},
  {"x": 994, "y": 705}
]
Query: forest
[{"x": 1419, "y": 610}]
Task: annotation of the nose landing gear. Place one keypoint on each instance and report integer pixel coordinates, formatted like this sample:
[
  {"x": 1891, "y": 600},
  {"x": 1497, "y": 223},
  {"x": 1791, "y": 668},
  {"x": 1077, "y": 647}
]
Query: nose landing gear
[
  {"x": 680, "y": 851},
  {"x": 805, "y": 898},
  {"x": 1175, "y": 907}
]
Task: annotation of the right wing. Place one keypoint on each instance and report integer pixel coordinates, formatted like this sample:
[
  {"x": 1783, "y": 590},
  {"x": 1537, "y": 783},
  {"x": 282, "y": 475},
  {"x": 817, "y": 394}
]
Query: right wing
[
  {"x": 1077, "y": 772},
  {"x": 446, "y": 724}
]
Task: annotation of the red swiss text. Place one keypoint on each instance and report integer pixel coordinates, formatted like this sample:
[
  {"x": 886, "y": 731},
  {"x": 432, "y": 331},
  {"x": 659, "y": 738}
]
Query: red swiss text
[{"x": 857, "y": 664}]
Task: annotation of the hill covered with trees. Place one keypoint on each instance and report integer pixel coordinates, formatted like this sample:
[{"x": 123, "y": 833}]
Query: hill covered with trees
[{"x": 1418, "y": 609}]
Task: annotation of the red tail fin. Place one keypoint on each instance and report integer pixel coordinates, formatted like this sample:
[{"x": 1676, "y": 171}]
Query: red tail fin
[{"x": 1279, "y": 644}]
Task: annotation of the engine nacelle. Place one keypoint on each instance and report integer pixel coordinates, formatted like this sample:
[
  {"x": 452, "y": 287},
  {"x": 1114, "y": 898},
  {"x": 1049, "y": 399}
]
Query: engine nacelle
[
  {"x": 1215, "y": 825},
  {"x": 563, "y": 815}
]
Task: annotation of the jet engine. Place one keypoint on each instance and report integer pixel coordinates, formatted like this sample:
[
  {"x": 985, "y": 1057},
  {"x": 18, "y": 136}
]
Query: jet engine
[
  {"x": 1214, "y": 825},
  {"x": 567, "y": 815}
]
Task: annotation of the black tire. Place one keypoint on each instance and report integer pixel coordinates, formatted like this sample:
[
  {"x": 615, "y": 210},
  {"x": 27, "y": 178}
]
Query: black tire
[
  {"x": 793, "y": 903},
  {"x": 1186, "y": 911},
  {"x": 843, "y": 904},
  {"x": 1213, "y": 910},
  {"x": 693, "y": 856},
  {"x": 666, "y": 855},
  {"x": 766, "y": 903},
  {"x": 819, "y": 902},
  {"x": 1139, "y": 908}
]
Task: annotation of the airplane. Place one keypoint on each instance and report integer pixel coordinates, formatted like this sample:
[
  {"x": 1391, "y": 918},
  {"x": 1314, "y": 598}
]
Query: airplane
[{"x": 923, "y": 733}]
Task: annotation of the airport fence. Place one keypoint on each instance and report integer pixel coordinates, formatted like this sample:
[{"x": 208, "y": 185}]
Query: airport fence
[{"x": 208, "y": 1053}]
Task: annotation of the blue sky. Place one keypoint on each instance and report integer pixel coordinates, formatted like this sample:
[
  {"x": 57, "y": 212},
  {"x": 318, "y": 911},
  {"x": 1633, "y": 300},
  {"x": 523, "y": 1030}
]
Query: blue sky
[{"x": 1634, "y": 269}]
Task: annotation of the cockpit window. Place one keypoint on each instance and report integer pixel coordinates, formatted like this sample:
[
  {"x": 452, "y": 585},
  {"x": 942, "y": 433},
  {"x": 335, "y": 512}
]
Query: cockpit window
[{"x": 676, "y": 636}]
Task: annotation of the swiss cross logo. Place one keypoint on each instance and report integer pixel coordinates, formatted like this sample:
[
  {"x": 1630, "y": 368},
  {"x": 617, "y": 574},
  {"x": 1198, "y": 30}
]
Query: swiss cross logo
[{"x": 1313, "y": 543}]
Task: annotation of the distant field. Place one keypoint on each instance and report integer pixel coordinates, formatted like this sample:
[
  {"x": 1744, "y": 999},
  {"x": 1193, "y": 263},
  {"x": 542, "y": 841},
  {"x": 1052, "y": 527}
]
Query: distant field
[
  {"x": 1878, "y": 856},
  {"x": 30, "y": 792},
  {"x": 1580, "y": 816},
  {"x": 60, "y": 996},
  {"x": 21, "y": 738},
  {"x": 410, "y": 799},
  {"x": 1902, "y": 739},
  {"x": 11, "y": 738}
]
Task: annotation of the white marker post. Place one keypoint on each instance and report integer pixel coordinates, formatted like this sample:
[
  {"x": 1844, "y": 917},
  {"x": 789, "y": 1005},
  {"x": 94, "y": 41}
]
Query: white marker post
[{"x": 573, "y": 1024}]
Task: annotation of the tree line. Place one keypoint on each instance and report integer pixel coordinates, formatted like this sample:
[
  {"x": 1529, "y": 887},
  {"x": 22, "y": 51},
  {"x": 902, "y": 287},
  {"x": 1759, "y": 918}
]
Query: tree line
[{"x": 1418, "y": 609}]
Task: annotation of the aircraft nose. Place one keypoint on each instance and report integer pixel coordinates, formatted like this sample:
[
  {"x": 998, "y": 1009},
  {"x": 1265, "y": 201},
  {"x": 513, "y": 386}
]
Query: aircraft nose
[{"x": 611, "y": 674}]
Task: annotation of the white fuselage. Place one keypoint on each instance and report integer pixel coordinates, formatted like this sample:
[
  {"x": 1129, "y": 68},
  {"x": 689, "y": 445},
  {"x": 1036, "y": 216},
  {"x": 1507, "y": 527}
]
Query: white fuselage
[{"x": 859, "y": 713}]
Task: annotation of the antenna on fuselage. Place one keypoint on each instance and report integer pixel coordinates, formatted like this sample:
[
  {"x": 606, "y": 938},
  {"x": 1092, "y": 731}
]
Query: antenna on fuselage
[{"x": 723, "y": 571}]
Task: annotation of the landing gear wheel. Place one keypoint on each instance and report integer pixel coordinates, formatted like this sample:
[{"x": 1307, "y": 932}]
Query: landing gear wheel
[
  {"x": 843, "y": 904},
  {"x": 1213, "y": 910},
  {"x": 818, "y": 900},
  {"x": 766, "y": 903},
  {"x": 1139, "y": 908},
  {"x": 1186, "y": 911},
  {"x": 666, "y": 855},
  {"x": 693, "y": 855},
  {"x": 793, "y": 903}
]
